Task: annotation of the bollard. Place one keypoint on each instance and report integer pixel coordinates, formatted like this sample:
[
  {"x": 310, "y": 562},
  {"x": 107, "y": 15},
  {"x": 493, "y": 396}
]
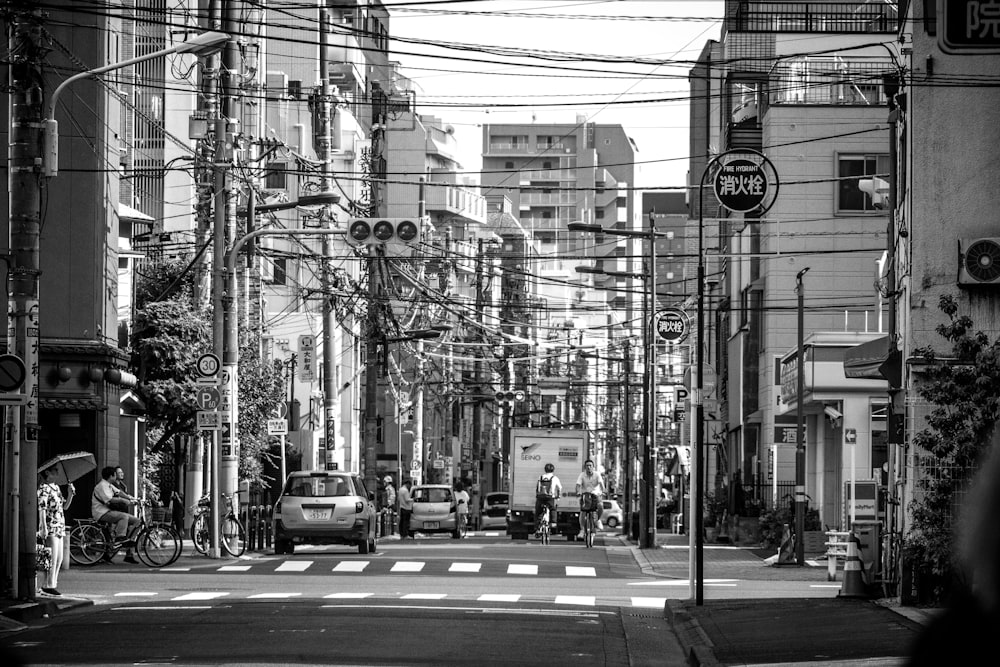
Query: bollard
[
  {"x": 854, "y": 584},
  {"x": 786, "y": 551}
]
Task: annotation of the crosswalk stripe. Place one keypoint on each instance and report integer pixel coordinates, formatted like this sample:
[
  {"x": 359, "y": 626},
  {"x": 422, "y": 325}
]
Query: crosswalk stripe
[
  {"x": 655, "y": 603},
  {"x": 587, "y": 600},
  {"x": 294, "y": 566},
  {"x": 198, "y": 595},
  {"x": 272, "y": 596},
  {"x": 465, "y": 567},
  {"x": 522, "y": 568},
  {"x": 573, "y": 571},
  {"x": 424, "y": 596},
  {"x": 347, "y": 596},
  {"x": 351, "y": 566},
  {"x": 498, "y": 597},
  {"x": 407, "y": 566},
  {"x": 233, "y": 568}
]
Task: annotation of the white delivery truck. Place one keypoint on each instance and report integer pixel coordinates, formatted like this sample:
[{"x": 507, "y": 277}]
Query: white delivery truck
[{"x": 530, "y": 450}]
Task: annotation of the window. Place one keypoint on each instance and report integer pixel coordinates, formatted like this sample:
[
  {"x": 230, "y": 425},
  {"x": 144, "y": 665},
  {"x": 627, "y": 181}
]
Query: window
[
  {"x": 279, "y": 271},
  {"x": 275, "y": 177},
  {"x": 599, "y": 214},
  {"x": 850, "y": 170},
  {"x": 508, "y": 165}
]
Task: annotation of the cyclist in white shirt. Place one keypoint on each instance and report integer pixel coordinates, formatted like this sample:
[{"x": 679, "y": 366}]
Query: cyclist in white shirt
[{"x": 589, "y": 481}]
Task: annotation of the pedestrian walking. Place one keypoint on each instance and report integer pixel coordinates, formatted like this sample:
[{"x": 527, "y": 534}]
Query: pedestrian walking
[
  {"x": 462, "y": 501},
  {"x": 52, "y": 526}
]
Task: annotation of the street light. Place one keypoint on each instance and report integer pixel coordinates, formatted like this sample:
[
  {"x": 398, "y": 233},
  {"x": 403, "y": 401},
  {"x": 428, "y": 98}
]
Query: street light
[
  {"x": 201, "y": 45},
  {"x": 647, "y": 496}
]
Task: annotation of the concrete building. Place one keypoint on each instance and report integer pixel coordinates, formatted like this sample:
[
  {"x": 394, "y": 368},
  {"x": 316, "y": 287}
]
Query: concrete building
[{"x": 818, "y": 115}]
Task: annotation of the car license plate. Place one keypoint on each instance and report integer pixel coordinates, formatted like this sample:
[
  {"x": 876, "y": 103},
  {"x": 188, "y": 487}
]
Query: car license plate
[
  {"x": 432, "y": 525},
  {"x": 316, "y": 514}
]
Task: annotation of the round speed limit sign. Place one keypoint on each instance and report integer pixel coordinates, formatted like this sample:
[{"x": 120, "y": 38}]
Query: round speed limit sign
[
  {"x": 671, "y": 325},
  {"x": 208, "y": 365}
]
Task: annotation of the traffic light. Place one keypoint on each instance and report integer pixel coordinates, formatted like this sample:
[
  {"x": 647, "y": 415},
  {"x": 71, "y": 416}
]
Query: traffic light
[
  {"x": 372, "y": 231},
  {"x": 509, "y": 396}
]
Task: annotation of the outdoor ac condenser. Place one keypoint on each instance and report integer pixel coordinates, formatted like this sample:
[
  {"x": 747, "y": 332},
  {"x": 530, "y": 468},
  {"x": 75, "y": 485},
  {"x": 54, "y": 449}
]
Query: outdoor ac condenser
[{"x": 979, "y": 262}]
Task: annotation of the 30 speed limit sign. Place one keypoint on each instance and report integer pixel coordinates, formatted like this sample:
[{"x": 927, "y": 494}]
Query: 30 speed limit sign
[{"x": 671, "y": 325}]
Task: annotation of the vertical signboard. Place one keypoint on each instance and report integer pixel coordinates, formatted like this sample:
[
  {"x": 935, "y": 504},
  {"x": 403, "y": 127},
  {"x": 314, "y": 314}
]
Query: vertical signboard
[{"x": 307, "y": 358}]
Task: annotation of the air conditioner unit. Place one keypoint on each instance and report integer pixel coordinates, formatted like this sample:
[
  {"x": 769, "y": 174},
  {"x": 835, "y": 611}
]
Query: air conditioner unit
[{"x": 979, "y": 261}]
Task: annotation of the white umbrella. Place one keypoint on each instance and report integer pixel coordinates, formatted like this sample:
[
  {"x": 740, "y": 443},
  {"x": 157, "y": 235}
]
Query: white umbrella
[{"x": 69, "y": 467}]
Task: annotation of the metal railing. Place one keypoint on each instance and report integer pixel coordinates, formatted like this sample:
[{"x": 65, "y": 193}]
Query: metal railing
[{"x": 815, "y": 17}]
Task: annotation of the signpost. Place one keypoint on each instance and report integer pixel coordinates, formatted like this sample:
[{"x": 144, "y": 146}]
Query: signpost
[{"x": 672, "y": 325}]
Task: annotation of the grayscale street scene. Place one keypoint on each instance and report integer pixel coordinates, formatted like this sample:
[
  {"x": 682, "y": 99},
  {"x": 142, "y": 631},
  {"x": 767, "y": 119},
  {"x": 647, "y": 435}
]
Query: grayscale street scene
[{"x": 501, "y": 332}]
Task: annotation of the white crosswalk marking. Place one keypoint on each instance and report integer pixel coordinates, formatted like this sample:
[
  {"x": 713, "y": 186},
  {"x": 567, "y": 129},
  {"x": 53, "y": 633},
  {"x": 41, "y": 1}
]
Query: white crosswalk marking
[
  {"x": 198, "y": 595},
  {"x": 272, "y": 596},
  {"x": 498, "y": 597},
  {"x": 294, "y": 566},
  {"x": 424, "y": 596},
  {"x": 653, "y": 603},
  {"x": 351, "y": 566},
  {"x": 587, "y": 600},
  {"x": 572, "y": 571},
  {"x": 233, "y": 568},
  {"x": 407, "y": 566},
  {"x": 347, "y": 596},
  {"x": 465, "y": 567},
  {"x": 134, "y": 594},
  {"x": 522, "y": 568}
]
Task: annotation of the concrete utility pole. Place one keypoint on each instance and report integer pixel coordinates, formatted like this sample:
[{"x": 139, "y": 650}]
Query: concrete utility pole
[
  {"x": 800, "y": 429},
  {"x": 326, "y": 139},
  {"x": 627, "y": 370},
  {"x": 23, "y": 173}
]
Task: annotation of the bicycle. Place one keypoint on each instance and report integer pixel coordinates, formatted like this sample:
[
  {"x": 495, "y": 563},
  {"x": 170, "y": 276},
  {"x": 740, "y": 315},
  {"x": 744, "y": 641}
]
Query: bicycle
[
  {"x": 544, "y": 527},
  {"x": 589, "y": 505},
  {"x": 155, "y": 543},
  {"x": 232, "y": 535}
]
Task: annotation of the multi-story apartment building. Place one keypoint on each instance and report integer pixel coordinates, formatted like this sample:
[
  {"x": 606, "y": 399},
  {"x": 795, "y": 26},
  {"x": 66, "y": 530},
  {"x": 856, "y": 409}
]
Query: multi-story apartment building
[
  {"x": 555, "y": 174},
  {"x": 801, "y": 83}
]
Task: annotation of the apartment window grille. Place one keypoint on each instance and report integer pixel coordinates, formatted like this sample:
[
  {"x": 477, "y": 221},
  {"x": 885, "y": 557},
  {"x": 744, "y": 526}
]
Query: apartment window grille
[{"x": 275, "y": 176}]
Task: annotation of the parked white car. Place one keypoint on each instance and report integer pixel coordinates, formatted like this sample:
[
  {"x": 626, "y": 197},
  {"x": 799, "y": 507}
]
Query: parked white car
[{"x": 611, "y": 513}]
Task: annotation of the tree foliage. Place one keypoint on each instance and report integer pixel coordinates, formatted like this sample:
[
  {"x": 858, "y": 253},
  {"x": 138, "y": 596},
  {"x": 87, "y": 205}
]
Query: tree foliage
[
  {"x": 169, "y": 335},
  {"x": 964, "y": 389}
]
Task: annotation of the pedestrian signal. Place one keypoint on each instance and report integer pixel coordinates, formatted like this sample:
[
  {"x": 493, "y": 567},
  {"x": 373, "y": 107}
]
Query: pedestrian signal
[{"x": 371, "y": 231}]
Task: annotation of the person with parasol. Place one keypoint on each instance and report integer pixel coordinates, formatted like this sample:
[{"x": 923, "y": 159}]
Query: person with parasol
[{"x": 52, "y": 524}]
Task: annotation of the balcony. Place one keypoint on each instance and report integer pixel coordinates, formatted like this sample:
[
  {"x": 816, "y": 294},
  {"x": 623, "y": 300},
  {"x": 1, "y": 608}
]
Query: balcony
[
  {"x": 829, "y": 80},
  {"x": 456, "y": 200},
  {"x": 815, "y": 17},
  {"x": 539, "y": 198}
]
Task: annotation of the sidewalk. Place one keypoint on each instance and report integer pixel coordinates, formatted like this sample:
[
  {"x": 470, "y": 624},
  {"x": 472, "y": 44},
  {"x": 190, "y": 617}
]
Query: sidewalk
[{"x": 778, "y": 631}]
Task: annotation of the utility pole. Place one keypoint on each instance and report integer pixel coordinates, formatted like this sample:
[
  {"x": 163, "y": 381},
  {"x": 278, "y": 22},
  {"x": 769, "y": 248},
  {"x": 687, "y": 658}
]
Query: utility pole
[
  {"x": 477, "y": 405},
  {"x": 326, "y": 139},
  {"x": 800, "y": 429},
  {"x": 225, "y": 458},
  {"x": 627, "y": 369},
  {"x": 25, "y": 78}
]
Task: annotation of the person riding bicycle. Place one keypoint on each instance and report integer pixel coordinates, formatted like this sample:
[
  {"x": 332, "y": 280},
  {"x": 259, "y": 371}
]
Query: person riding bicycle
[
  {"x": 590, "y": 481},
  {"x": 125, "y": 523},
  {"x": 548, "y": 489}
]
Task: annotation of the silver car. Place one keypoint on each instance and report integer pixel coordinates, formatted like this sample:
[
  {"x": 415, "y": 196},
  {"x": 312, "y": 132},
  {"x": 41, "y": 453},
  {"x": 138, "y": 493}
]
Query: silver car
[
  {"x": 319, "y": 507},
  {"x": 434, "y": 510}
]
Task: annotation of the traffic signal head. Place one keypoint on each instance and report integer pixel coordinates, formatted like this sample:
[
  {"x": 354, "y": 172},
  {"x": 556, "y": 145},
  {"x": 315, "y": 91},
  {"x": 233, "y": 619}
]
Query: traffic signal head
[
  {"x": 371, "y": 231},
  {"x": 509, "y": 396}
]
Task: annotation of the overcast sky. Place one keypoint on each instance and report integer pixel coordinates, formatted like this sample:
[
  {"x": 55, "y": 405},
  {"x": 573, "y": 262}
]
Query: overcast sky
[{"x": 510, "y": 61}]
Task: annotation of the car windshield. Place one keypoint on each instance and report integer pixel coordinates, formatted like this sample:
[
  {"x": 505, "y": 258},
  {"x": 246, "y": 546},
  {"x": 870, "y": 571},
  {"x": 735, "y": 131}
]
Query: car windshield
[
  {"x": 305, "y": 487},
  {"x": 432, "y": 496}
]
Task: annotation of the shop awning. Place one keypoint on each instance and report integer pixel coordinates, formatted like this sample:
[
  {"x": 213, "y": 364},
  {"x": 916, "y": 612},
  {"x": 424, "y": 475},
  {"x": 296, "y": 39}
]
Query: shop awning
[{"x": 873, "y": 361}]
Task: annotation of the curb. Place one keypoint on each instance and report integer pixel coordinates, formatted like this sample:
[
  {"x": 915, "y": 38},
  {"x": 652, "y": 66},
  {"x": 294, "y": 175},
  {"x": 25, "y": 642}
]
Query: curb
[
  {"x": 694, "y": 642},
  {"x": 19, "y": 613}
]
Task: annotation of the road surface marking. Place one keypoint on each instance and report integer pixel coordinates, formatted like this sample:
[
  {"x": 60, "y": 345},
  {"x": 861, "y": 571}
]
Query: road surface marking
[
  {"x": 586, "y": 600},
  {"x": 233, "y": 568},
  {"x": 127, "y": 594},
  {"x": 520, "y": 568},
  {"x": 198, "y": 596},
  {"x": 347, "y": 596},
  {"x": 407, "y": 566},
  {"x": 498, "y": 597},
  {"x": 465, "y": 567},
  {"x": 272, "y": 596},
  {"x": 655, "y": 603},
  {"x": 572, "y": 571},
  {"x": 352, "y": 566},
  {"x": 294, "y": 566},
  {"x": 424, "y": 596}
]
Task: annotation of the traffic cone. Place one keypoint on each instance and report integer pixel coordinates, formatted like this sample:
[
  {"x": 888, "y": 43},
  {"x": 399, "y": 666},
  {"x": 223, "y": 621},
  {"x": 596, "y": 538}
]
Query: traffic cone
[
  {"x": 786, "y": 551},
  {"x": 854, "y": 583}
]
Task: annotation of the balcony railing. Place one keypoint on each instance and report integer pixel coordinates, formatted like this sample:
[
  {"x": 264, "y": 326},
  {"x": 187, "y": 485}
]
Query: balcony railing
[
  {"x": 815, "y": 17},
  {"x": 829, "y": 80}
]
